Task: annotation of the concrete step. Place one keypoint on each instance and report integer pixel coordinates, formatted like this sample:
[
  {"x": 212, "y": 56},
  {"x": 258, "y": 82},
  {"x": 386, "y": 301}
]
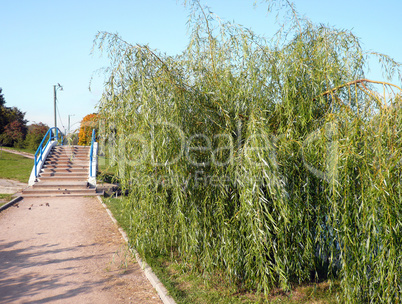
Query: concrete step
[
  {"x": 61, "y": 174},
  {"x": 65, "y": 170},
  {"x": 69, "y": 155},
  {"x": 59, "y": 188},
  {"x": 77, "y": 166},
  {"x": 58, "y": 191},
  {"x": 86, "y": 155},
  {"x": 53, "y": 183},
  {"x": 60, "y": 153},
  {"x": 91, "y": 192},
  {"x": 50, "y": 185},
  {"x": 71, "y": 148},
  {"x": 70, "y": 151},
  {"x": 67, "y": 158},
  {"x": 63, "y": 178},
  {"x": 64, "y": 173},
  {"x": 66, "y": 163}
]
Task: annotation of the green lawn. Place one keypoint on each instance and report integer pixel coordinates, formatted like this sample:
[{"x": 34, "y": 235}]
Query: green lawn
[
  {"x": 15, "y": 167},
  {"x": 188, "y": 287}
]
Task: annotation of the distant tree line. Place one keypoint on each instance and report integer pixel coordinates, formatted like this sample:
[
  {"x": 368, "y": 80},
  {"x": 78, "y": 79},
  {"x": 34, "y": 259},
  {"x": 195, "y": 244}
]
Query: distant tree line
[{"x": 14, "y": 131}]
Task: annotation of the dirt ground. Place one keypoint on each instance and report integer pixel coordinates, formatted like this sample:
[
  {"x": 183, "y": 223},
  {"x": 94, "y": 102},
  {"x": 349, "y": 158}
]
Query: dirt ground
[{"x": 66, "y": 250}]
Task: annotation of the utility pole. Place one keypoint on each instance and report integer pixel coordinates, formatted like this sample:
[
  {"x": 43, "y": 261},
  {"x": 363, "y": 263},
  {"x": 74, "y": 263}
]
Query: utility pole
[
  {"x": 55, "y": 120},
  {"x": 55, "y": 87}
]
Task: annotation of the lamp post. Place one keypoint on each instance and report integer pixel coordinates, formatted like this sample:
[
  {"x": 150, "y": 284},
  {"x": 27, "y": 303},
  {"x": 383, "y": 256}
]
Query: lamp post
[
  {"x": 56, "y": 87},
  {"x": 69, "y": 122}
]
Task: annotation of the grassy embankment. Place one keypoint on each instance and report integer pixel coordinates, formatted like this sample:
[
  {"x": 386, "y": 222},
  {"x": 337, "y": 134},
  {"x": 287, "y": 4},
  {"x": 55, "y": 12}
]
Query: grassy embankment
[{"x": 14, "y": 167}]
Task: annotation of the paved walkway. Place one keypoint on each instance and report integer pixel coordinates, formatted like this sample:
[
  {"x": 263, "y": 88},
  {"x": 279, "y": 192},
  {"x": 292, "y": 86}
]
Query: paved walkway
[
  {"x": 9, "y": 186},
  {"x": 66, "y": 250},
  {"x": 26, "y": 154}
]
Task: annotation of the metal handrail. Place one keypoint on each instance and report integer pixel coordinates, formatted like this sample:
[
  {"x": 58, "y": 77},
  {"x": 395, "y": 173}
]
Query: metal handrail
[
  {"x": 91, "y": 153},
  {"x": 42, "y": 148}
]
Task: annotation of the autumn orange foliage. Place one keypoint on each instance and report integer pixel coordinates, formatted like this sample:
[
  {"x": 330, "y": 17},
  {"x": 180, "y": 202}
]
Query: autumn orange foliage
[{"x": 88, "y": 123}]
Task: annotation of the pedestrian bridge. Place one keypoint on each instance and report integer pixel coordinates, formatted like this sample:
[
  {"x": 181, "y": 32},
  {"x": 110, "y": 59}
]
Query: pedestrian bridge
[{"x": 63, "y": 170}]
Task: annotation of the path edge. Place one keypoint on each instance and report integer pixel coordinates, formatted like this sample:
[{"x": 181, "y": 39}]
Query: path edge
[
  {"x": 25, "y": 154},
  {"x": 10, "y": 203},
  {"x": 151, "y": 276}
]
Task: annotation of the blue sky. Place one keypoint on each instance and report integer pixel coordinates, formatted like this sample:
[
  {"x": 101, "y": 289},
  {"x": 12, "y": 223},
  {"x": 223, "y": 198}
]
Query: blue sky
[{"x": 43, "y": 43}]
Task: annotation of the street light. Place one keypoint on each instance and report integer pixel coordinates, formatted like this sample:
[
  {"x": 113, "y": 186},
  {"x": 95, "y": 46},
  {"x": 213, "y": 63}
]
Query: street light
[
  {"x": 78, "y": 122},
  {"x": 69, "y": 115},
  {"x": 56, "y": 87}
]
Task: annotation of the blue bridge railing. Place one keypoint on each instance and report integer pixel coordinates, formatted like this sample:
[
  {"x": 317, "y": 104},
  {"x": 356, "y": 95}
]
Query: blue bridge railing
[
  {"x": 91, "y": 155},
  {"x": 51, "y": 134}
]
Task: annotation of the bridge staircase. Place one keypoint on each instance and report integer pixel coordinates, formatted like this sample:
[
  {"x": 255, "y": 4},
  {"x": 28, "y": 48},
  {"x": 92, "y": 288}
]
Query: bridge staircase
[{"x": 62, "y": 170}]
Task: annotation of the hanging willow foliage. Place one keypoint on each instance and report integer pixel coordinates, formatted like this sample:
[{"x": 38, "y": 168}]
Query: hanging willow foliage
[{"x": 265, "y": 160}]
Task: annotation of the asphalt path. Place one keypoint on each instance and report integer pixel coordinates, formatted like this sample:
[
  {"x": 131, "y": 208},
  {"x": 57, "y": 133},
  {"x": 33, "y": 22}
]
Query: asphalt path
[
  {"x": 25, "y": 154},
  {"x": 67, "y": 250}
]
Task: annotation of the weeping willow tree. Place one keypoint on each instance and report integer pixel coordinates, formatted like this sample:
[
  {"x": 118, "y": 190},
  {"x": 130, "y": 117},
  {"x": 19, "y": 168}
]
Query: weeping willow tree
[{"x": 273, "y": 162}]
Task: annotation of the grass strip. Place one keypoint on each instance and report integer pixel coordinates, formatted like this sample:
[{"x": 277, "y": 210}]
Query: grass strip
[{"x": 5, "y": 197}]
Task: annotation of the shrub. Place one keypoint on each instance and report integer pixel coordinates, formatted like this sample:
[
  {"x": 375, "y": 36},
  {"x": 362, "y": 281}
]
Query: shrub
[
  {"x": 36, "y": 132},
  {"x": 275, "y": 163}
]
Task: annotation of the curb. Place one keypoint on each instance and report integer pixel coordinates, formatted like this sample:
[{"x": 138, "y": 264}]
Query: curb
[
  {"x": 10, "y": 203},
  {"x": 152, "y": 278}
]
